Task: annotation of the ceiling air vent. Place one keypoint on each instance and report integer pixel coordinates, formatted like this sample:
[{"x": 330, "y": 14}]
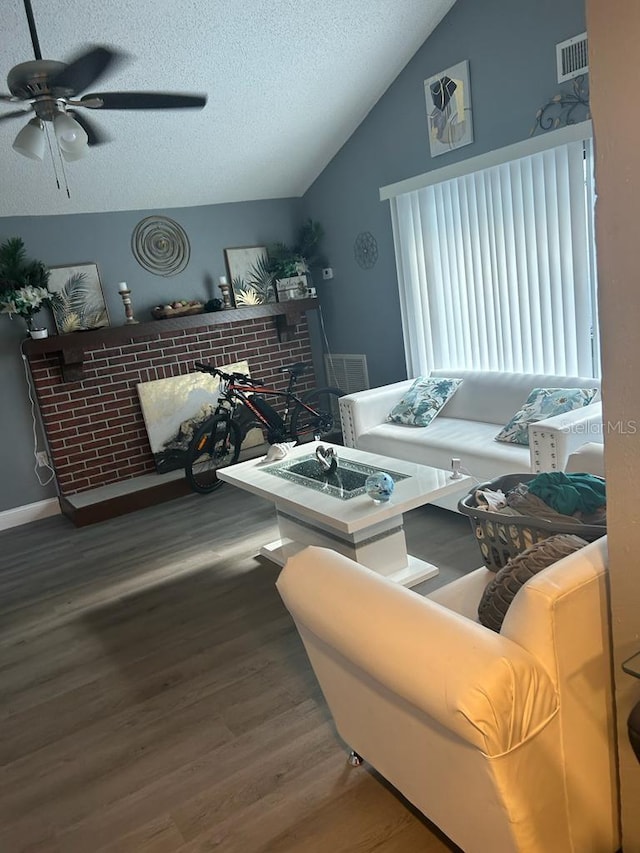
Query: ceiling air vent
[{"x": 572, "y": 57}]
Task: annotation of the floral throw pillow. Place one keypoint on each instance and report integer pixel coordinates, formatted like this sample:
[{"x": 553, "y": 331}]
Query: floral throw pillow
[
  {"x": 423, "y": 401},
  {"x": 540, "y": 404}
]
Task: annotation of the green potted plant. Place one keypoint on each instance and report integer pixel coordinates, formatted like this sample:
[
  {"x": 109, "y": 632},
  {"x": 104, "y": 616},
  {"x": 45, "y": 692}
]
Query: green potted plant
[
  {"x": 23, "y": 284},
  {"x": 308, "y": 245},
  {"x": 285, "y": 262},
  {"x": 290, "y": 265}
]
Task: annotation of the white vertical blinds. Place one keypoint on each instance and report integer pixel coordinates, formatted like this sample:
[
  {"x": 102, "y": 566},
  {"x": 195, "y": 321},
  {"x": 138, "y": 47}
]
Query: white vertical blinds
[{"x": 495, "y": 267}]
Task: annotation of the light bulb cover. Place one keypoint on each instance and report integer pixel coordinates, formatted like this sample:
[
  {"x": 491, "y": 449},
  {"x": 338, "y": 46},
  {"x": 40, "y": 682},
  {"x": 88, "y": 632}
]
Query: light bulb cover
[
  {"x": 30, "y": 140},
  {"x": 70, "y": 134},
  {"x": 77, "y": 154}
]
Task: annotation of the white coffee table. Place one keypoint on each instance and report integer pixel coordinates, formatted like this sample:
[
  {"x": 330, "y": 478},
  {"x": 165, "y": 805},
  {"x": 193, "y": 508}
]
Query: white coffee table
[{"x": 370, "y": 533}]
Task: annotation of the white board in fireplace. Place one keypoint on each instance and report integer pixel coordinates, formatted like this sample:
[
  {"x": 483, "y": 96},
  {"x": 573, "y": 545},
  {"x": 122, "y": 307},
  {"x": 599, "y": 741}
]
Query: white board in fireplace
[{"x": 174, "y": 408}]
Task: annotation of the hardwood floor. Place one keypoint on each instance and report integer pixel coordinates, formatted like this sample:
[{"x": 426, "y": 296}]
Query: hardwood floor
[{"x": 155, "y": 697}]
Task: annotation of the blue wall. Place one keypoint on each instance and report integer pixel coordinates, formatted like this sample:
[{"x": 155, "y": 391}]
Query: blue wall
[
  {"x": 511, "y": 51},
  {"x": 105, "y": 238},
  {"x": 512, "y": 64}
]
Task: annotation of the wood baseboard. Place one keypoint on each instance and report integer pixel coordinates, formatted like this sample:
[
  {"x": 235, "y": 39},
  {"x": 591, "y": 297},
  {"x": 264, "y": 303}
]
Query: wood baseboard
[{"x": 30, "y": 512}]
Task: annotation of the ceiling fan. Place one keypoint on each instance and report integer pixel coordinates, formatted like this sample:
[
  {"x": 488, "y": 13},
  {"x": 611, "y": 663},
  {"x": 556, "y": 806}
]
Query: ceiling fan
[{"x": 50, "y": 89}]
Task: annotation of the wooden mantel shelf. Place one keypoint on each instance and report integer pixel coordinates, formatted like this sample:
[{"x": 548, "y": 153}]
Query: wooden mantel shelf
[{"x": 72, "y": 347}]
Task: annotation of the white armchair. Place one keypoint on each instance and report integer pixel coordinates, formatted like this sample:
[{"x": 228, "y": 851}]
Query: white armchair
[{"x": 505, "y": 741}]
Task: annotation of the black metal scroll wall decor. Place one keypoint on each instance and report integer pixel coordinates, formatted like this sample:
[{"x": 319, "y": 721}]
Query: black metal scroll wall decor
[
  {"x": 160, "y": 245},
  {"x": 569, "y": 107},
  {"x": 365, "y": 249}
]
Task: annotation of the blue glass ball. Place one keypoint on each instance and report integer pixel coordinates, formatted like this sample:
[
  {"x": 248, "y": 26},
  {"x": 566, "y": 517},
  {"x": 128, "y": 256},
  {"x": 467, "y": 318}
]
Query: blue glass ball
[{"x": 379, "y": 486}]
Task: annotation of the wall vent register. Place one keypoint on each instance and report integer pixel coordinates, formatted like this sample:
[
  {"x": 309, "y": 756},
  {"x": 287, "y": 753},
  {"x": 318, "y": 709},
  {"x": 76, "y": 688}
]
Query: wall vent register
[{"x": 572, "y": 57}]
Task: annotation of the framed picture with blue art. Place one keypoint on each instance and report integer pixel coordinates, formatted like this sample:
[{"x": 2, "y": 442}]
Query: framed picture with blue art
[
  {"x": 80, "y": 304},
  {"x": 449, "y": 114}
]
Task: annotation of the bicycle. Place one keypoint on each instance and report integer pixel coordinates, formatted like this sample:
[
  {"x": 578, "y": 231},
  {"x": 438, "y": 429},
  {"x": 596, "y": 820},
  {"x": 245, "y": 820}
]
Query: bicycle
[{"x": 241, "y": 407}]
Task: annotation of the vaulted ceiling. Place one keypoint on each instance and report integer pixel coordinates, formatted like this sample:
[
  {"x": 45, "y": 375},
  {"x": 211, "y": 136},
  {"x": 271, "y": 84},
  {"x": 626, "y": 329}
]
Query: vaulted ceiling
[{"x": 287, "y": 81}]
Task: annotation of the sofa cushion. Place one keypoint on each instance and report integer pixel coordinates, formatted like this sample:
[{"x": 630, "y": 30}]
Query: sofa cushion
[
  {"x": 493, "y": 396},
  {"x": 423, "y": 401},
  {"x": 445, "y": 438},
  {"x": 543, "y": 403},
  {"x": 500, "y": 592}
]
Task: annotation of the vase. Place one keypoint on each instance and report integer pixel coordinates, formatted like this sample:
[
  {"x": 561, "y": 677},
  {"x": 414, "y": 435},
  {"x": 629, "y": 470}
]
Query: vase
[
  {"x": 35, "y": 331},
  {"x": 379, "y": 486}
]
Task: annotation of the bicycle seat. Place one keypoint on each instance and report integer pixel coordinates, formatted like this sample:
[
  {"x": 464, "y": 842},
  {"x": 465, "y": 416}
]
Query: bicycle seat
[{"x": 296, "y": 369}]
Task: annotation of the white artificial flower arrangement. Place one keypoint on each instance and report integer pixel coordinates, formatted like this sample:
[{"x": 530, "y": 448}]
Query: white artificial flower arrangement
[
  {"x": 23, "y": 283},
  {"x": 25, "y": 301}
]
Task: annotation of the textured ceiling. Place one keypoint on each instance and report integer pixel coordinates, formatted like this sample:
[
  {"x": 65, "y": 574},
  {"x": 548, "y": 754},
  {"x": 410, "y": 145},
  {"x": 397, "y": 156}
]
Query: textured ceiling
[{"x": 288, "y": 81}]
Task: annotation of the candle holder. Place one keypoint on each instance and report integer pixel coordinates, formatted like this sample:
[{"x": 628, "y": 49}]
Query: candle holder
[
  {"x": 225, "y": 289},
  {"x": 128, "y": 307}
]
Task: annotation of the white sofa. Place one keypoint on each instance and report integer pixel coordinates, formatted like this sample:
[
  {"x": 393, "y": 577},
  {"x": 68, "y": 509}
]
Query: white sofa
[
  {"x": 589, "y": 457},
  {"x": 505, "y": 741},
  {"x": 467, "y": 425}
]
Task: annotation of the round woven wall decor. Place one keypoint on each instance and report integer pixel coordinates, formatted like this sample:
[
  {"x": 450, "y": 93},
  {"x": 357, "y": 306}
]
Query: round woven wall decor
[
  {"x": 160, "y": 245},
  {"x": 365, "y": 249}
]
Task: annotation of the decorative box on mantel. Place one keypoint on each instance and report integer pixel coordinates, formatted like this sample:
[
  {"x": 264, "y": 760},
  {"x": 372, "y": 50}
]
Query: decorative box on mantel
[{"x": 295, "y": 287}]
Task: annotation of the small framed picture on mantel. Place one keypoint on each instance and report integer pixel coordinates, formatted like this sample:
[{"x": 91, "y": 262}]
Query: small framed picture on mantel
[{"x": 80, "y": 305}]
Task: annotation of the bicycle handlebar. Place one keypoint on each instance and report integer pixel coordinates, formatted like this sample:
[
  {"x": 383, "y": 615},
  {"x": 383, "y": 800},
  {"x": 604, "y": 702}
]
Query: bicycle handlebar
[{"x": 227, "y": 377}]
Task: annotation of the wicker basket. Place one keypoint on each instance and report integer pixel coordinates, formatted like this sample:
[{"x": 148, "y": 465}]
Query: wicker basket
[
  {"x": 162, "y": 313},
  {"x": 501, "y": 537}
]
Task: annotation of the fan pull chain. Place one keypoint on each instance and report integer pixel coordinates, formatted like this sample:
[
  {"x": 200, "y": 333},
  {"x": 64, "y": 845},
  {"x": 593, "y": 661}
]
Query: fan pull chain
[
  {"x": 64, "y": 174},
  {"x": 55, "y": 168},
  {"x": 53, "y": 159}
]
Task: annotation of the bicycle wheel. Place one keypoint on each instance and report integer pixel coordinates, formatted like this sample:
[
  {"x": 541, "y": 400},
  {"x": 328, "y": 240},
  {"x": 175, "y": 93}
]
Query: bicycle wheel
[
  {"x": 215, "y": 445},
  {"x": 322, "y": 417}
]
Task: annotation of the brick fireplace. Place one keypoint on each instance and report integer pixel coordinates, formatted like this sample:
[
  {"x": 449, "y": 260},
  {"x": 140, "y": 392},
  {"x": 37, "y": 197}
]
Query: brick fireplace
[{"x": 94, "y": 426}]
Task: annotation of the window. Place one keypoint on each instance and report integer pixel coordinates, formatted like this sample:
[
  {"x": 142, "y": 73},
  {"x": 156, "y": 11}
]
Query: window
[{"x": 496, "y": 266}]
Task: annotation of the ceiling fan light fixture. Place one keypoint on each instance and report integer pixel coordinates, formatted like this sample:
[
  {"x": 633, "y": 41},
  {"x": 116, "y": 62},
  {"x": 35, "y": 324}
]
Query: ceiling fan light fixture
[
  {"x": 53, "y": 91},
  {"x": 30, "y": 141},
  {"x": 70, "y": 135},
  {"x": 77, "y": 154}
]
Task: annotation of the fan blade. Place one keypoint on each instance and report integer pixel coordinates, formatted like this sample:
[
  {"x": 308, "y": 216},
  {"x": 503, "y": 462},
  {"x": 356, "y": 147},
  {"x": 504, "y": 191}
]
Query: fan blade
[
  {"x": 85, "y": 69},
  {"x": 94, "y": 136},
  {"x": 143, "y": 101},
  {"x": 14, "y": 114}
]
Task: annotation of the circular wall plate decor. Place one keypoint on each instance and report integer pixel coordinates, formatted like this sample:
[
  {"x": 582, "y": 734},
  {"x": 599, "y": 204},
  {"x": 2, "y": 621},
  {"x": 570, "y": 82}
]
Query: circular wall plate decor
[
  {"x": 365, "y": 249},
  {"x": 160, "y": 245}
]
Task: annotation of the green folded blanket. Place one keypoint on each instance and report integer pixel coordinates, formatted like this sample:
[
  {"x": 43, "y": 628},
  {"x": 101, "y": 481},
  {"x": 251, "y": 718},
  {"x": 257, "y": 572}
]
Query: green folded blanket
[{"x": 570, "y": 493}]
